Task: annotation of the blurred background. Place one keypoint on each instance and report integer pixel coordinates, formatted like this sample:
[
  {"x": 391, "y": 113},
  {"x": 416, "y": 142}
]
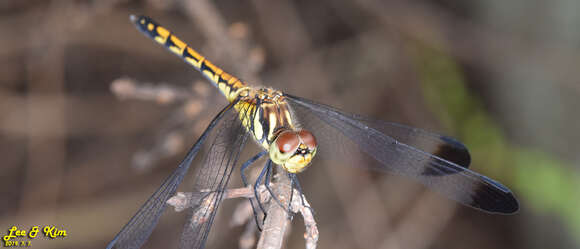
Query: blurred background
[{"x": 94, "y": 115}]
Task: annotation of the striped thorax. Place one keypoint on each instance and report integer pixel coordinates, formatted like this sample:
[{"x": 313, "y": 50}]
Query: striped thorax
[{"x": 266, "y": 115}]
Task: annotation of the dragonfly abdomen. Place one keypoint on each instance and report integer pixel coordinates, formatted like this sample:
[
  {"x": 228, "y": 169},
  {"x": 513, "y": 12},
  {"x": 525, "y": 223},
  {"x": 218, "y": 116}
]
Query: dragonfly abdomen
[{"x": 229, "y": 86}]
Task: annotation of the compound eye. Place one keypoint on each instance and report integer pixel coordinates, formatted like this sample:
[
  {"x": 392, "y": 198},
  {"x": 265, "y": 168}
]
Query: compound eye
[
  {"x": 287, "y": 142},
  {"x": 308, "y": 139}
]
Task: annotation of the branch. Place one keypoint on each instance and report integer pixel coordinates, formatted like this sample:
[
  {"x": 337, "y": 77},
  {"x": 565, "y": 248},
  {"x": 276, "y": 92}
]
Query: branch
[
  {"x": 277, "y": 220},
  {"x": 126, "y": 88},
  {"x": 183, "y": 200}
]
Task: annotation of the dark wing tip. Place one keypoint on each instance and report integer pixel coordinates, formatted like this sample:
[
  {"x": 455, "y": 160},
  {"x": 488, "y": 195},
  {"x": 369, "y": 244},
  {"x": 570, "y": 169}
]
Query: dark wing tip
[
  {"x": 495, "y": 198},
  {"x": 453, "y": 151}
]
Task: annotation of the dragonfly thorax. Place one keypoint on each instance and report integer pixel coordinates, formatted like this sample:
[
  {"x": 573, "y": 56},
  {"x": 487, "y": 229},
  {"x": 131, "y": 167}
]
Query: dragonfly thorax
[{"x": 268, "y": 117}]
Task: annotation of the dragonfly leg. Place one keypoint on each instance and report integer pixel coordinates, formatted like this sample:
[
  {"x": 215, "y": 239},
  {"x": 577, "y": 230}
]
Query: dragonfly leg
[
  {"x": 291, "y": 190},
  {"x": 267, "y": 184},
  {"x": 256, "y": 184},
  {"x": 248, "y": 163},
  {"x": 245, "y": 181},
  {"x": 296, "y": 183},
  {"x": 290, "y": 217}
]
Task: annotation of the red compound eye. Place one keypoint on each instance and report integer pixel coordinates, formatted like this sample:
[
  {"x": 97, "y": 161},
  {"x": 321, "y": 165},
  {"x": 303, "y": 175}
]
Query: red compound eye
[
  {"x": 287, "y": 142},
  {"x": 308, "y": 139}
]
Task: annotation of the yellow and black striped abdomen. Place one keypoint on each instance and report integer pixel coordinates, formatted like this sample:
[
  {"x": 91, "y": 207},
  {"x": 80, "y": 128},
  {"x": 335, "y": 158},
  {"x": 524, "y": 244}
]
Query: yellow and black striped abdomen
[{"x": 230, "y": 86}]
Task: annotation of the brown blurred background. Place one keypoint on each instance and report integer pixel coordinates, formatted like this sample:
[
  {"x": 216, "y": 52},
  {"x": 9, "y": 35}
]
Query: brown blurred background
[{"x": 93, "y": 115}]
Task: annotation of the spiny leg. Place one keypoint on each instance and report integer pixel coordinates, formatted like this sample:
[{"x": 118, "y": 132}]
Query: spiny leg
[
  {"x": 292, "y": 179},
  {"x": 245, "y": 181},
  {"x": 256, "y": 184},
  {"x": 295, "y": 182},
  {"x": 267, "y": 184},
  {"x": 248, "y": 163}
]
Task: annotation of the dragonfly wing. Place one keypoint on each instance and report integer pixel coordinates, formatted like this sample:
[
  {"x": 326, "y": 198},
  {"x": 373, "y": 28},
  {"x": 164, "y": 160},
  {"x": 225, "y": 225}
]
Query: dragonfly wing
[
  {"x": 213, "y": 177},
  {"x": 438, "y": 145},
  {"x": 138, "y": 229},
  {"x": 439, "y": 173}
]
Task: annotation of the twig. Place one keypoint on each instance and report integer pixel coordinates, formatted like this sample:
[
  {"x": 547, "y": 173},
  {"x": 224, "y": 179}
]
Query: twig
[
  {"x": 277, "y": 218},
  {"x": 126, "y": 88},
  {"x": 183, "y": 200},
  {"x": 300, "y": 204}
]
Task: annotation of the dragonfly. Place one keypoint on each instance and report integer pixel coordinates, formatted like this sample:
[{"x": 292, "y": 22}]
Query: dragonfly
[{"x": 290, "y": 131}]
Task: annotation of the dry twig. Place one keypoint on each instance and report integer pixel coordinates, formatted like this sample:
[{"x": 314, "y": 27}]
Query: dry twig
[{"x": 277, "y": 218}]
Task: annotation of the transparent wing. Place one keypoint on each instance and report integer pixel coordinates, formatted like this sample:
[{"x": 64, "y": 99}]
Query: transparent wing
[
  {"x": 138, "y": 229},
  {"x": 431, "y": 162},
  {"x": 438, "y": 145},
  {"x": 213, "y": 177}
]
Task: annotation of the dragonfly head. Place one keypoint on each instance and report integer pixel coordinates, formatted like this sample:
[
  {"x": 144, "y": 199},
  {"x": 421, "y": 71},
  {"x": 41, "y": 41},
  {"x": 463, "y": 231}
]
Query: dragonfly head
[{"x": 293, "y": 150}]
